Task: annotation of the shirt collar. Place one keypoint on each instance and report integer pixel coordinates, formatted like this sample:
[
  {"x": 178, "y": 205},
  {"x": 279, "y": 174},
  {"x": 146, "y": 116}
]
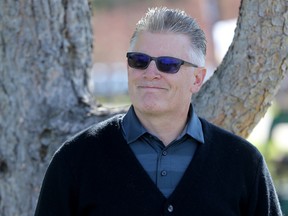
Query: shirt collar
[
  {"x": 133, "y": 129},
  {"x": 194, "y": 126}
]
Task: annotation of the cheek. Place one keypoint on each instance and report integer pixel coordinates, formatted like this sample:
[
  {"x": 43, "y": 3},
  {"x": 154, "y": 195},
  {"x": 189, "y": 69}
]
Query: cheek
[
  {"x": 131, "y": 77},
  {"x": 192, "y": 88},
  {"x": 189, "y": 84},
  {"x": 133, "y": 74}
]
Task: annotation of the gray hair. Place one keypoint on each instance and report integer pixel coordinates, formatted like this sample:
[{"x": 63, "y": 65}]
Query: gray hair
[{"x": 173, "y": 21}]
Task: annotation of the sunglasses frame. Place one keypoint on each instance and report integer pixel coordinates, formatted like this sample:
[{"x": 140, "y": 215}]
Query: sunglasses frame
[{"x": 151, "y": 58}]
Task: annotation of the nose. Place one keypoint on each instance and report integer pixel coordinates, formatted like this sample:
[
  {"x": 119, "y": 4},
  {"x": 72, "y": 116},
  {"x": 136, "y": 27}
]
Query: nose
[{"x": 152, "y": 72}]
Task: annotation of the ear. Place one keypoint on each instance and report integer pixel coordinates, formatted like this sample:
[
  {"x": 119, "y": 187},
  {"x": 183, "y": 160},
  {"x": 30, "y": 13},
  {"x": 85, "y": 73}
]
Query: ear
[{"x": 199, "y": 74}]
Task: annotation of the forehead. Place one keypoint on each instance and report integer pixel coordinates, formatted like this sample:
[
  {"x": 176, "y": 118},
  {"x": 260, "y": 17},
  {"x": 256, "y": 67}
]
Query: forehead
[{"x": 158, "y": 44}]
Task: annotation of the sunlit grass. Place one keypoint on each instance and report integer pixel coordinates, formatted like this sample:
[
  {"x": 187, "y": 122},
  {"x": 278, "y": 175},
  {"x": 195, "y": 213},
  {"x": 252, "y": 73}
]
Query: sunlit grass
[{"x": 114, "y": 101}]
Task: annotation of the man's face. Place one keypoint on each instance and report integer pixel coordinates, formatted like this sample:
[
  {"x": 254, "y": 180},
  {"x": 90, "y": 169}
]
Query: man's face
[{"x": 153, "y": 92}]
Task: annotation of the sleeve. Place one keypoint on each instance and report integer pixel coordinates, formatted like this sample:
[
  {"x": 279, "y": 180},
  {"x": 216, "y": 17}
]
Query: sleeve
[
  {"x": 263, "y": 199},
  {"x": 57, "y": 196}
]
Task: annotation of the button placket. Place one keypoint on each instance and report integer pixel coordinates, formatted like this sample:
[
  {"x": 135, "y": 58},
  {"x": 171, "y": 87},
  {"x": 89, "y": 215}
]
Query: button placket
[{"x": 163, "y": 171}]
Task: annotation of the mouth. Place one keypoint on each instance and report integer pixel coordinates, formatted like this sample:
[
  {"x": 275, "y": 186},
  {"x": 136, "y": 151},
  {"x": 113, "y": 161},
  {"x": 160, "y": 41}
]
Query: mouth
[{"x": 151, "y": 87}]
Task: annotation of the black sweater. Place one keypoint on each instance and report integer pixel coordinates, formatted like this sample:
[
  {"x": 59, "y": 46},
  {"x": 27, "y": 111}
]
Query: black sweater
[{"x": 96, "y": 173}]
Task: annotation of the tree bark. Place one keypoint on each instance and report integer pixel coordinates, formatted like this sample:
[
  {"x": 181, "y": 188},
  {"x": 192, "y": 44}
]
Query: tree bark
[
  {"x": 45, "y": 56},
  {"x": 241, "y": 90}
]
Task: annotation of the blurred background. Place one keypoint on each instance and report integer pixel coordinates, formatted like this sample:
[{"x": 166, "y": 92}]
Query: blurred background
[{"x": 113, "y": 24}]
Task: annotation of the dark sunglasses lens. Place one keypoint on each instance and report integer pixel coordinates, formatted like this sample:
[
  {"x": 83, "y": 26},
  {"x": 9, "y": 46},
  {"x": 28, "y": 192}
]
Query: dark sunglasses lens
[
  {"x": 168, "y": 64},
  {"x": 138, "y": 61}
]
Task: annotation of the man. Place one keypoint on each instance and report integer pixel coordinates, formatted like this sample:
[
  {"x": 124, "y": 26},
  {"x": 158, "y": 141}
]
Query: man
[{"x": 159, "y": 158}]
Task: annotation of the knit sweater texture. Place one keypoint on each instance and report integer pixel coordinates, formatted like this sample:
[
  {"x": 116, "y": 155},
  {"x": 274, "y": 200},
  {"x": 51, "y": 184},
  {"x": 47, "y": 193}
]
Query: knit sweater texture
[{"x": 95, "y": 173}]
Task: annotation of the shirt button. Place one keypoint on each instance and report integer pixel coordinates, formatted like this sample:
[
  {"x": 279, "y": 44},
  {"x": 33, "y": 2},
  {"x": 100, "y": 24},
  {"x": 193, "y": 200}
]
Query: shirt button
[
  {"x": 163, "y": 173},
  {"x": 164, "y": 153},
  {"x": 170, "y": 208}
]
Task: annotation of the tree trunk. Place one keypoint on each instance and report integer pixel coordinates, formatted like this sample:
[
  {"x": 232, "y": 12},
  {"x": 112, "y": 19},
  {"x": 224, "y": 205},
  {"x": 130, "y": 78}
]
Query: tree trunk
[
  {"x": 243, "y": 86},
  {"x": 45, "y": 56}
]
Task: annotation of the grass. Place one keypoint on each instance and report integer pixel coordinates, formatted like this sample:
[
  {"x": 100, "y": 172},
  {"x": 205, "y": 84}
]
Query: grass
[{"x": 114, "y": 101}]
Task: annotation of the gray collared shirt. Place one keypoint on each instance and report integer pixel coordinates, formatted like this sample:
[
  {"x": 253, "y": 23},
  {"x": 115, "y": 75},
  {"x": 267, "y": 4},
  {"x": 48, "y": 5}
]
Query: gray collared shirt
[{"x": 164, "y": 164}]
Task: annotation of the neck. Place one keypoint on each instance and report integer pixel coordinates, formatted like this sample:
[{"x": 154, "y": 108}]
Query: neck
[{"x": 166, "y": 127}]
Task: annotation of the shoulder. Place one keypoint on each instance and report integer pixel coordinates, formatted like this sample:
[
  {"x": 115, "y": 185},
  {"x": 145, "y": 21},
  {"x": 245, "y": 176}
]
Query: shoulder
[
  {"x": 225, "y": 142},
  {"x": 98, "y": 129},
  {"x": 92, "y": 138},
  {"x": 232, "y": 155}
]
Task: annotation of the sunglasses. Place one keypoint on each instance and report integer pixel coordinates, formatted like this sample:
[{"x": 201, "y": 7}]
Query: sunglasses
[{"x": 164, "y": 64}]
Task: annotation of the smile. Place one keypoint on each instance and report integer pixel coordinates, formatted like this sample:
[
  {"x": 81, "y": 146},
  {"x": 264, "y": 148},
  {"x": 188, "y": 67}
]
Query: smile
[{"x": 151, "y": 87}]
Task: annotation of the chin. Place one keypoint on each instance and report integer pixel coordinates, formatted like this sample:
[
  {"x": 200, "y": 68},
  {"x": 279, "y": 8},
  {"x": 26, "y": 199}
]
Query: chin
[{"x": 151, "y": 109}]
